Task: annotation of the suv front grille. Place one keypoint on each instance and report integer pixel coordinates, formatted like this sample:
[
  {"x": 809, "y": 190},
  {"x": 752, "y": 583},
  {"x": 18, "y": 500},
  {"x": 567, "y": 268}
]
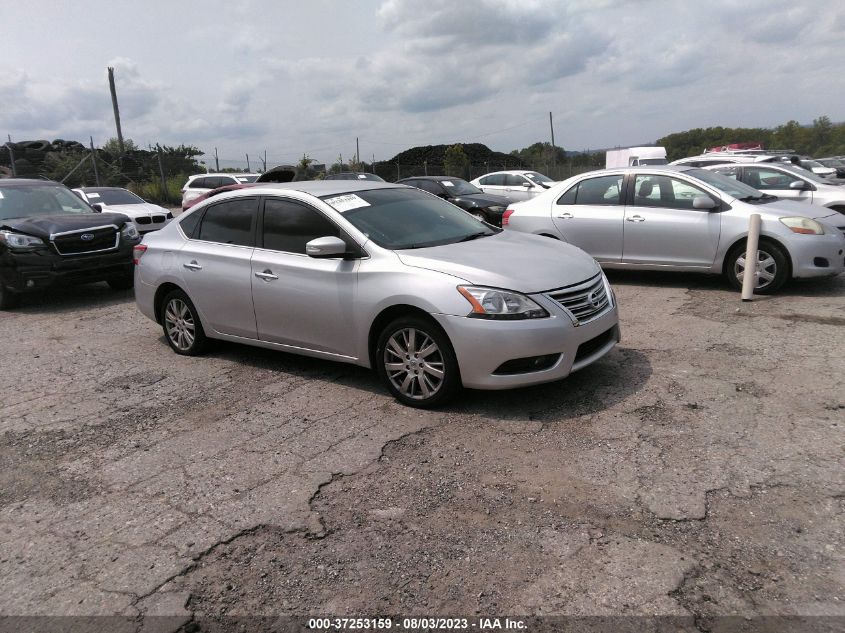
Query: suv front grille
[
  {"x": 584, "y": 301},
  {"x": 94, "y": 240}
]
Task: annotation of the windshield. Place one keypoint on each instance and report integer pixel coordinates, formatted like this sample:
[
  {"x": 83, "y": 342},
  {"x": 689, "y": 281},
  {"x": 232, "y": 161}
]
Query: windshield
[
  {"x": 539, "y": 178},
  {"x": 246, "y": 178},
  {"x": 653, "y": 161},
  {"x": 804, "y": 173},
  {"x": 832, "y": 162},
  {"x": 112, "y": 196},
  {"x": 407, "y": 218},
  {"x": 24, "y": 201},
  {"x": 458, "y": 187},
  {"x": 726, "y": 184}
]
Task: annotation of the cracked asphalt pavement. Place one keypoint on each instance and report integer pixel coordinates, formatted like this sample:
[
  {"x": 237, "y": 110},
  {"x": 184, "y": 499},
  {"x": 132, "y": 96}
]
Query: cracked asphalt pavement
[{"x": 697, "y": 470}]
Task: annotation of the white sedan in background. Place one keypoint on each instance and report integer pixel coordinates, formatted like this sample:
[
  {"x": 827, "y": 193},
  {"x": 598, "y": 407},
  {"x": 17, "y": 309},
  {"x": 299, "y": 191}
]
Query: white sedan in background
[
  {"x": 516, "y": 185},
  {"x": 684, "y": 218},
  {"x": 146, "y": 215}
]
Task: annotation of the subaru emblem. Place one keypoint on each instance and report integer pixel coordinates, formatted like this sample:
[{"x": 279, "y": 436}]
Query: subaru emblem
[{"x": 86, "y": 237}]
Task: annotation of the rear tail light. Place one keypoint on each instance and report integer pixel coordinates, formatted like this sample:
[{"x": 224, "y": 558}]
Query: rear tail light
[
  {"x": 506, "y": 216},
  {"x": 137, "y": 252}
]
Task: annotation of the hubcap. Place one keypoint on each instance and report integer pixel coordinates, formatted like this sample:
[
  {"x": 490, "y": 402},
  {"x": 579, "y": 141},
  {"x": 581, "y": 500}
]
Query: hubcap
[
  {"x": 414, "y": 363},
  {"x": 767, "y": 268},
  {"x": 179, "y": 323}
]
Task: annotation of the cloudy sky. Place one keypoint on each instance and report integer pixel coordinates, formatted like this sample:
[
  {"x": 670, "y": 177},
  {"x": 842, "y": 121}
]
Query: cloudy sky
[{"x": 309, "y": 76}]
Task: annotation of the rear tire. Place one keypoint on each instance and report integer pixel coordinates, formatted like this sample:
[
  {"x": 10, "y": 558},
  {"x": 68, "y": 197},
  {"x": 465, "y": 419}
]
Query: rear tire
[
  {"x": 774, "y": 264},
  {"x": 417, "y": 363},
  {"x": 181, "y": 324}
]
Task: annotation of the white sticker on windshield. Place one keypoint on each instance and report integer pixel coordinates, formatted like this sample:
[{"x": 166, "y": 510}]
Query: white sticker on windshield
[
  {"x": 1, "y": 195},
  {"x": 242, "y": 179},
  {"x": 93, "y": 195},
  {"x": 447, "y": 183},
  {"x": 347, "y": 203},
  {"x": 362, "y": 177}
]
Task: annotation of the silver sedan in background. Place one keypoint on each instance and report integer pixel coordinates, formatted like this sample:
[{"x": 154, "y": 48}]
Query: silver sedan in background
[
  {"x": 684, "y": 218},
  {"x": 383, "y": 276}
]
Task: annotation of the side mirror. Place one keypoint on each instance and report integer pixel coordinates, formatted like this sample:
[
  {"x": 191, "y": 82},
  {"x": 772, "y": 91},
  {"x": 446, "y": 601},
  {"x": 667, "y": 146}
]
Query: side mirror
[
  {"x": 97, "y": 207},
  {"x": 326, "y": 247},
  {"x": 703, "y": 202},
  {"x": 528, "y": 185},
  {"x": 798, "y": 184}
]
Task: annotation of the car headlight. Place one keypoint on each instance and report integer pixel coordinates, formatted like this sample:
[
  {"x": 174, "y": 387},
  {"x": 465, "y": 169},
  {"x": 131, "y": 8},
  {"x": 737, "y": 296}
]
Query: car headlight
[
  {"x": 492, "y": 303},
  {"x": 19, "y": 241},
  {"x": 803, "y": 225},
  {"x": 129, "y": 231}
]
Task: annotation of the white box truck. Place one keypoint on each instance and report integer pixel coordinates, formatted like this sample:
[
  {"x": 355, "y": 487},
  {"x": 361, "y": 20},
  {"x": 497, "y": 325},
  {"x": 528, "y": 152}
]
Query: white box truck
[{"x": 633, "y": 156}]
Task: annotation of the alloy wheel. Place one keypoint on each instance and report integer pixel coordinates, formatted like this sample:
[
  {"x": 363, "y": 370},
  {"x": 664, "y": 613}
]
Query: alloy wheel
[
  {"x": 179, "y": 324},
  {"x": 414, "y": 363}
]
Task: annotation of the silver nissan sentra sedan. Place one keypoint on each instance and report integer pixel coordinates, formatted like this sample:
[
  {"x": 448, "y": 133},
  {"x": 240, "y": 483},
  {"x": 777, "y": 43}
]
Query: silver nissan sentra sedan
[{"x": 379, "y": 275}]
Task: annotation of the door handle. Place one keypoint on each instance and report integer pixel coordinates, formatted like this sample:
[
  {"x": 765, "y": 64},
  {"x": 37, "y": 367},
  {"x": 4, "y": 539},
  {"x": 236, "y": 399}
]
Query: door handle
[
  {"x": 267, "y": 275},
  {"x": 635, "y": 218},
  {"x": 566, "y": 216},
  {"x": 193, "y": 265}
]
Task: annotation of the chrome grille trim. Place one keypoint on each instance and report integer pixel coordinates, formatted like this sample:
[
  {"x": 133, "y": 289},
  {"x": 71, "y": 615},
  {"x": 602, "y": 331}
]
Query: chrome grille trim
[
  {"x": 114, "y": 227},
  {"x": 585, "y": 301}
]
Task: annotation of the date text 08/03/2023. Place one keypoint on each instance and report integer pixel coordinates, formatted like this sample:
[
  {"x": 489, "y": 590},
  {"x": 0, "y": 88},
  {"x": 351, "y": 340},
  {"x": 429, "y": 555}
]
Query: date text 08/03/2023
[{"x": 416, "y": 624}]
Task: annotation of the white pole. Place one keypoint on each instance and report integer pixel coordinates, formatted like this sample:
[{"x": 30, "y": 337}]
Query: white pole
[{"x": 749, "y": 277}]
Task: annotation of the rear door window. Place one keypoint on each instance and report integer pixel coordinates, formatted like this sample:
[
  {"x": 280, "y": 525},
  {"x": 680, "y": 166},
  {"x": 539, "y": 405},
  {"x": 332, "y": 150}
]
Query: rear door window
[
  {"x": 230, "y": 222},
  {"x": 604, "y": 190}
]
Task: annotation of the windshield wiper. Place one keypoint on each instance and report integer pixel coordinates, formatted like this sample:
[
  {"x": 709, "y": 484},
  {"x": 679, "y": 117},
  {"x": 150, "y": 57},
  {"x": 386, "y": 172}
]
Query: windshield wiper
[{"x": 474, "y": 236}]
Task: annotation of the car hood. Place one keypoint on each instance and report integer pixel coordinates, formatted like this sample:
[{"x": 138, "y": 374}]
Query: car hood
[
  {"x": 785, "y": 208},
  {"x": 45, "y": 225},
  {"x": 482, "y": 199},
  {"x": 509, "y": 260},
  {"x": 135, "y": 210}
]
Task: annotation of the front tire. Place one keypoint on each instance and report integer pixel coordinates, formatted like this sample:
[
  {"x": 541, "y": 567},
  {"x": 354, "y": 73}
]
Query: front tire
[
  {"x": 121, "y": 283},
  {"x": 8, "y": 299},
  {"x": 416, "y": 362},
  {"x": 773, "y": 263},
  {"x": 181, "y": 324}
]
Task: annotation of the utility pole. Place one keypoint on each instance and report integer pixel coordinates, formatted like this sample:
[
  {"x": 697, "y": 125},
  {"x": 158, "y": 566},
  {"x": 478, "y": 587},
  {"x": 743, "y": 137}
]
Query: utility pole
[
  {"x": 94, "y": 161},
  {"x": 357, "y": 154},
  {"x": 216, "y": 161},
  {"x": 11, "y": 155},
  {"x": 164, "y": 193},
  {"x": 265, "y": 160},
  {"x": 554, "y": 151},
  {"x": 116, "y": 110},
  {"x": 247, "y": 162}
]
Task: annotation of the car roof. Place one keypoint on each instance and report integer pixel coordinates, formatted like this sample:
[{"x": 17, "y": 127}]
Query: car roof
[
  {"x": 434, "y": 178},
  {"x": 24, "y": 182},
  {"x": 323, "y": 187}
]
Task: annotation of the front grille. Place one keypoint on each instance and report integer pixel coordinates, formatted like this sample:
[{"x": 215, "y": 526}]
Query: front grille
[
  {"x": 97, "y": 239},
  {"x": 143, "y": 220},
  {"x": 584, "y": 301},
  {"x": 158, "y": 219}
]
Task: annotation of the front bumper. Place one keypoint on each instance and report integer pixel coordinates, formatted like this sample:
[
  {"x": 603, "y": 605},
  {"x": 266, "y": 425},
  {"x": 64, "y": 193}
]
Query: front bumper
[
  {"x": 817, "y": 255},
  {"x": 38, "y": 270},
  {"x": 482, "y": 346}
]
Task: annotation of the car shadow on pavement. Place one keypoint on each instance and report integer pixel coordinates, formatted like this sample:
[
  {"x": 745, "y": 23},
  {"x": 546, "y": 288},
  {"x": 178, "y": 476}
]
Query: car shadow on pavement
[
  {"x": 610, "y": 380},
  {"x": 72, "y": 297}
]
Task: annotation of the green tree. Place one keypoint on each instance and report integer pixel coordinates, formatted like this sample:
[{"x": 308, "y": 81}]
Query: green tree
[
  {"x": 112, "y": 146},
  {"x": 304, "y": 163},
  {"x": 455, "y": 161},
  {"x": 541, "y": 156}
]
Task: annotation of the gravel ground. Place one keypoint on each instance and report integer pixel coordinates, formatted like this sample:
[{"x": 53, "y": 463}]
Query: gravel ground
[{"x": 696, "y": 471}]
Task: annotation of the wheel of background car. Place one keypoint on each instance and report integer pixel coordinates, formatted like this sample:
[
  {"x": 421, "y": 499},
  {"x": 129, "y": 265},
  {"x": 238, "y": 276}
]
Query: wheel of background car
[
  {"x": 774, "y": 267},
  {"x": 416, "y": 362},
  {"x": 8, "y": 299},
  {"x": 181, "y": 324},
  {"x": 122, "y": 283}
]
